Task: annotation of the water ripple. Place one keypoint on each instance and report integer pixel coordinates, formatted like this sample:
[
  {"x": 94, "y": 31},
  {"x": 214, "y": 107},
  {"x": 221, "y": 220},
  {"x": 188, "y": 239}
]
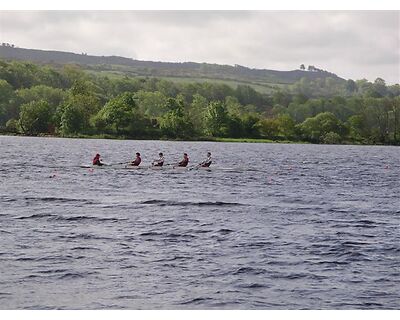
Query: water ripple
[{"x": 307, "y": 227}]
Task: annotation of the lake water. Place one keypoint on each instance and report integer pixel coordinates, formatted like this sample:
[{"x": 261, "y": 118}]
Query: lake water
[{"x": 271, "y": 226}]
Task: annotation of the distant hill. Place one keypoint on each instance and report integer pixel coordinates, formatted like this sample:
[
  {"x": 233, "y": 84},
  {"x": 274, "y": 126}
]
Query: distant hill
[{"x": 127, "y": 66}]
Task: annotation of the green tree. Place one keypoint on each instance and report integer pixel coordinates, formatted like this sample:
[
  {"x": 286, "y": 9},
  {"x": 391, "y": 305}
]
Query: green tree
[
  {"x": 123, "y": 85},
  {"x": 175, "y": 123},
  {"x": 301, "y": 112},
  {"x": 35, "y": 117},
  {"x": 247, "y": 95},
  {"x": 84, "y": 102},
  {"x": 50, "y": 77},
  {"x": 151, "y": 104},
  {"x": 375, "y": 115},
  {"x": 121, "y": 115},
  {"x": 235, "y": 126},
  {"x": 269, "y": 128},
  {"x": 73, "y": 74},
  {"x": 379, "y": 87},
  {"x": 22, "y": 74},
  {"x": 357, "y": 130},
  {"x": 168, "y": 88},
  {"x": 72, "y": 119},
  {"x": 216, "y": 120},
  {"x": 196, "y": 113},
  {"x": 332, "y": 138},
  {"x": 351, "y": 86},
  {"x": 233, "y": 106},
  {"x": 286, "y": 126},
  {"x": 12, "y": 126},
  {"x": 189, "y": 90},
  {"x": 281, "y": 98},
  {"x": 250, "y": 125},
  {"x": 53, "y": 96},
  {"x": 396, "y": 120},
  {"x": 315, "y": 128},
  {"x": 6, "y": 103},
  {"x": 394, "y": 90},
  {"x": 172, "y": 124},
  {"x": 215, "y": 91},
  {"x": 303, "y": 87}
]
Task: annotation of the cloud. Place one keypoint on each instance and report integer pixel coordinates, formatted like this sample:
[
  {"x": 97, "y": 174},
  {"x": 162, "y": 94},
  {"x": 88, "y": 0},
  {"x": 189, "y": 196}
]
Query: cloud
[{"x": 353, "y": 44}]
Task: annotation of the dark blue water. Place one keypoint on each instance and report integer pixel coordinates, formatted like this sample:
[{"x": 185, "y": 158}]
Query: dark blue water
[{"x": 272, "y": 226}]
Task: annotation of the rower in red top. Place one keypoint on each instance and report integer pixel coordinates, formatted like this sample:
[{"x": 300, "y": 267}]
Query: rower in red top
[
  {"x": 137, "y": 161},
  {"x": 184, "y": 161},
  {"x": 97, "y": 160}
]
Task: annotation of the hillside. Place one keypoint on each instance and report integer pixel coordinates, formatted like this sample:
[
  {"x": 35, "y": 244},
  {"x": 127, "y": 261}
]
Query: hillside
[
  {"x": 47, "y": 97},
  {"x": 197, "y": 71}
]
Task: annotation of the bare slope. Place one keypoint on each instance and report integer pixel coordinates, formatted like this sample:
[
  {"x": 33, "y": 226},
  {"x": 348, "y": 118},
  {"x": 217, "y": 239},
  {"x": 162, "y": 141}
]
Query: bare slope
[{"x": 162, "y": 69}]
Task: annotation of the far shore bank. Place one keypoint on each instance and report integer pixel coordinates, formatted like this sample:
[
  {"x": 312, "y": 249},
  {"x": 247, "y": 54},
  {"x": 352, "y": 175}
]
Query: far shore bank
[
  {"x": 110, "y": 137},
  {"x": 200, "y": 139}
]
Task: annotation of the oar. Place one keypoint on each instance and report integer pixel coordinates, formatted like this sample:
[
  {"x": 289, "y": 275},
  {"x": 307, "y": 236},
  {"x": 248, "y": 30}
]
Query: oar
[
  {"x": 114, "y": 164},
  {"x": 169, "y": 164},
  {"x": 174, "y": 165},
  {"x": 155, "y": 162},
  {"x": 195, "y": 167}
]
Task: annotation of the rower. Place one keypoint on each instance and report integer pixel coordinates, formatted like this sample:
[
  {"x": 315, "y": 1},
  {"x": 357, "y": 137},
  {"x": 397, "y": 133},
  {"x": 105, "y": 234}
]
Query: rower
[
  {"x": 206, "y": 163},
  {"x": 160, "y": 161},
  {"x": 185, "y": 161},
  {"x": 137, "y": 161},
  {"x": 97, "y": 160}
]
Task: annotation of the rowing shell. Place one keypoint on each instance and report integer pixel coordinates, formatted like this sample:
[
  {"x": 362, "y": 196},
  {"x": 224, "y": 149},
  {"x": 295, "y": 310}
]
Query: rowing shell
[
  {"x": 134, "y": 167},
  {"x": 156, "y": 168},
  {"x": 204, "y": 168},
  {"x": 144, "y": 168}
]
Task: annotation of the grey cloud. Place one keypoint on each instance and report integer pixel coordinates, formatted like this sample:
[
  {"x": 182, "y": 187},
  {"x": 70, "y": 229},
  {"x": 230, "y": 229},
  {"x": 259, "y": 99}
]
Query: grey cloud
[{"x": 353, "y": 44}]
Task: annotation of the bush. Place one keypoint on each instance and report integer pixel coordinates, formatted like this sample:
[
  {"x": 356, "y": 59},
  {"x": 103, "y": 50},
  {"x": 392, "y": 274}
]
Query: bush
[
  {"x": 332, "y": 138},
  {"x": 12, "y": 126}
]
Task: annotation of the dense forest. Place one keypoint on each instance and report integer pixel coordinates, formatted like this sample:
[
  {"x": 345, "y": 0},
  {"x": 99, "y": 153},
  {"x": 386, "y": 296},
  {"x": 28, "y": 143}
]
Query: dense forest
[{"x": 37, "y": 99}]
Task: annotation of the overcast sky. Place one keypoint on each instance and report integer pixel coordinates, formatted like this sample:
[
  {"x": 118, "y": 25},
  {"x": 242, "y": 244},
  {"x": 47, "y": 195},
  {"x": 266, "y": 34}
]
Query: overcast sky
[{"x": 352, "y": 44}]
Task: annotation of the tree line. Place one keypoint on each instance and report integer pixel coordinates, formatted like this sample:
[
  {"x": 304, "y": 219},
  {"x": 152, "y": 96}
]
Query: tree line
[{"x": 68, "y": 101}]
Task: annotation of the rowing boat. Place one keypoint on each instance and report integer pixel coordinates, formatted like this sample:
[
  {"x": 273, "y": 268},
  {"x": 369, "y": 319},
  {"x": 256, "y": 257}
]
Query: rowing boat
[
  {"x": 135, "y": 167},
  {"x": 204, "y": 168},
  {"x": 156, "y": 168},
  {"x": 144, "y": 167}
]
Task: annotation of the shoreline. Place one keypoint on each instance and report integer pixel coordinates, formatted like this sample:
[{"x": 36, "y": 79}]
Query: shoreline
[
  {"x": 223, "y": 140},
  {"x": 201, "y": 139}
]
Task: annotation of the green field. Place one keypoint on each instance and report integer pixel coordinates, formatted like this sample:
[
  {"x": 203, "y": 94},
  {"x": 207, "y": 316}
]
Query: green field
[{"x": 260, "y": 86}]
